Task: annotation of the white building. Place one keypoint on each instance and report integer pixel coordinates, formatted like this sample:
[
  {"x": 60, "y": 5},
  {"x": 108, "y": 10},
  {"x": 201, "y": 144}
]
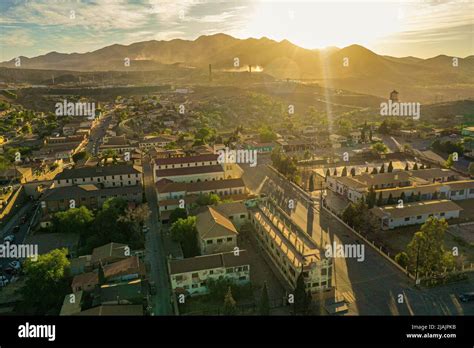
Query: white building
[
  {"x": 191, "y": 275},
  {"x": 415, "y": 213},
  {"x": 107, "y": 176}
]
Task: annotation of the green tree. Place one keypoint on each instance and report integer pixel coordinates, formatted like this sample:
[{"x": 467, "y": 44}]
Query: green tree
[
  {"x": 267, "y": 134},
  {"x": 230, "y": 306},
  {"x": 390, "y": 167},
  {"x": 335, "y": 172},
  {"x": 382, "y": 169},
  {"x": 344, "y": 171},
  {"x": 415, "y": 166},
  {"x": 264, "y": 305},
  {"x": 390, "y": 199},
  {"x": 374, "y": 171},
  {"x": 353, "y": 171},
  {"x": 328, "y": 173},
  {"x": 178, "y": 213},
  {"x": 47, "y": 282},
  {"x": 208, "y": 199},
  {"x": 450, "y": 161},
  {"x": 402, "y": 259},
  {"x": 380, "y": 200},
  {"x": 83, "y": 155},
  {"x": 184, "y": 232},
  {"x": 311, "y": 183},
  {"x": 77, "y": 220},
  {"x": 371, "y": 197},
  {"x": 427, "y": 256},
  {"x": 349, "y": 214},
  {"x": 379, "y": 147},
  {"x": 407, "y": 167}
]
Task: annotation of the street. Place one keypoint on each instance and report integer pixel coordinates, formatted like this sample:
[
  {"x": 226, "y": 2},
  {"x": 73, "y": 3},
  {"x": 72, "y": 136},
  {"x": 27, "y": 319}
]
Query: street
[{"x": 154, "y": 250}]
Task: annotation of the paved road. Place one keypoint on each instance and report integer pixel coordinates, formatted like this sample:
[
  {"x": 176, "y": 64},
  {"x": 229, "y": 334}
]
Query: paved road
[
  {"x": 98, "y": 133},
  {"x": 373, "y": 286},
  {"x": 27, "y": 209},
  {"x": 155, "y": 254}
]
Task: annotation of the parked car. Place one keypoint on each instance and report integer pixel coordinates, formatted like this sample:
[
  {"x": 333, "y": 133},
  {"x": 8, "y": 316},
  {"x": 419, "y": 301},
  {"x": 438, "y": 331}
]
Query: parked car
[
  {"x": 10, "y": 238},
  {"x": 467, "y": 296},
  {"x": 16, "y": 229}
]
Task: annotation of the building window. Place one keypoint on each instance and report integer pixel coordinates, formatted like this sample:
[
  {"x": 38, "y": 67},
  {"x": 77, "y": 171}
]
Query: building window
[
  {"x": 219, "y": 241},
  {"x": 179, "y": 278},
  {"x": 209, "y": 241},
  {"x": 442, "y": 214},
  {"x": 229, "y": 270},
  {"x": 418, "y": 217},
  {"x": 194, "y": 275},
  {"x": 407, "y": 219},
  {"x": 229, "y": 239},
  {"x": 211, "y": 271}
]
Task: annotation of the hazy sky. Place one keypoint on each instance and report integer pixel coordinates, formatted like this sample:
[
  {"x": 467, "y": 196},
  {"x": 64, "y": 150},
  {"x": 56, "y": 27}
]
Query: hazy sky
[{"x": 398, "y": 28}]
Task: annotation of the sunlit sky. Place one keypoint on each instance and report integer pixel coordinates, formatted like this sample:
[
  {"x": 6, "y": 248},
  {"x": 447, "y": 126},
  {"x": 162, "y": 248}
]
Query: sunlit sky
[{"x": 397, "y": 28}]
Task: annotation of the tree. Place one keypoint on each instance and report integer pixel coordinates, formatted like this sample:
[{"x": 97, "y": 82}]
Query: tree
[
  {"x": 402, "y": 197},
  {"x": 380, "y": 200},
  {"x": 328, "y": 173},
  {"x": 449, "y": 162},
  {"x": 47, "y": 282},
  {"x": 301, "y": 305},
  {"x": 415, "y": 166},
  {"x": 382, "y": 169},
  {"x": 311, "y": 183},
  {"x": 402, "y": 259},
  {"x": 353, "y": 171},
  {"x": 349, "y": 214},
  {"x": 264, "y": 305},
  {"x": 390, "y": 199},
  {"x": 83, "y": 155},
  {"x": 178, "y": 213},
  {"x": 77, "y": 220},
  {"x": 184, "y": 232},
  {"x": 208, "y": 199},
  {"x": 101, "y": 274},
  {"x": 390, "y": 167},
  {"x": 267, "y": 135},
  {"x": 230, "y": 307},
  {"x": 344, "y": 171},
  {"x": 371, "y": 197},
  {"x": 367, "y": 169},
  {"x": 370, "y": 134},
  {"x": 407, "y": 167},
  {"x": 418, "y": 196},
  {"x": 374, "y": 171},
  {"x": 335, "y": 172},
  {"x": 426, "y": 250},
  {"x": 379, "y": 148}
]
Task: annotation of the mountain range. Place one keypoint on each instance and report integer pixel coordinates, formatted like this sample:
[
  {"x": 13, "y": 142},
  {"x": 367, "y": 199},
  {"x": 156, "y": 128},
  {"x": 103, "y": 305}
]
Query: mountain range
[{"x": 354, "y": 67}]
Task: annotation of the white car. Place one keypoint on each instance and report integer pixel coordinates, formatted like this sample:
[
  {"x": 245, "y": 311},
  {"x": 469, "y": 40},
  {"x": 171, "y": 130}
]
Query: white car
[{"x": 10, "y": 238}]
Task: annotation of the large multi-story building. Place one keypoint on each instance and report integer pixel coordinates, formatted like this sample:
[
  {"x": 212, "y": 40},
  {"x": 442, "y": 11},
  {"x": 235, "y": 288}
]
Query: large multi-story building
[{"x": 290, "y": 249}]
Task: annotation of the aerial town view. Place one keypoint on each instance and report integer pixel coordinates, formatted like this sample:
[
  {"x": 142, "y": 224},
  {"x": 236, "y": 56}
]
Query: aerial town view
[{"x": 208, "y": 158}]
